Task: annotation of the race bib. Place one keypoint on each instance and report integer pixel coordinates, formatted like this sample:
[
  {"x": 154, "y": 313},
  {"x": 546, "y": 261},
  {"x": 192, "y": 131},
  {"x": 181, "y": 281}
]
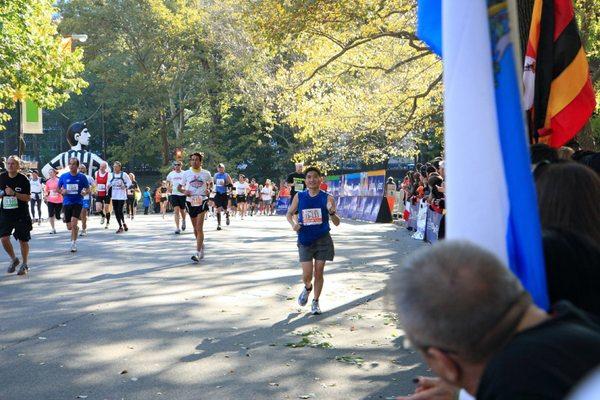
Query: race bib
[
  {"x": 312, "y": 216},
  {"x": 53, "y": 193},
  {"x": 220, "y": 182},
  {"x": 101, "y": 187},
  {"x": 10, "y": 202},
  {"x": 196, "y": 201},
  {"x": 72, "y": 188},
  {"x": 298, "y": 185}
]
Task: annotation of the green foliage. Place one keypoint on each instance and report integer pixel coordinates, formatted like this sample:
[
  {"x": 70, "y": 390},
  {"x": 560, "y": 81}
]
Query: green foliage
[
  {"x": 357, "y": 83},
  {"x": 34, "y": 62}
]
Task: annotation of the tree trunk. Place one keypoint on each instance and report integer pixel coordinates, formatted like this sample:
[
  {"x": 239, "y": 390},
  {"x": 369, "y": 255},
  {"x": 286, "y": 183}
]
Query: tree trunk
[{"x": 164, "y": 131}]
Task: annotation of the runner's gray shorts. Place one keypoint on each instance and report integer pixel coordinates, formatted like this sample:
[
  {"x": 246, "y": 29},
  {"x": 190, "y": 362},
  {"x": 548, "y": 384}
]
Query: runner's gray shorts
[{"x": 322, "y": 250}]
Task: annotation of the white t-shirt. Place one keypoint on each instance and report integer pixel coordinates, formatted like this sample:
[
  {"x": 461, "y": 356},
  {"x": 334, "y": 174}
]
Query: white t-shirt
[
  {"x": 176, "y": 179},
  {"x": 119, "y": 182},
  {"x": 266, "y": 193},
  {"x": 35, "y": 186},
  {"x": 196, "y": 183},
  {"x": 240, "y": 188}
]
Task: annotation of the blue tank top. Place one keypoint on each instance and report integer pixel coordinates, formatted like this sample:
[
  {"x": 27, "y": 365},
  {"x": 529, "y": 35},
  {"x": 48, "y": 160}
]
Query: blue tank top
[
  {"x": 313, "y": 216},
  {"x": 221, "y": 182}
]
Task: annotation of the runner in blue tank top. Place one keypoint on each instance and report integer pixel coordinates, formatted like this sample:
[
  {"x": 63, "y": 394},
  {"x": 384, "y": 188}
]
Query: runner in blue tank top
[
  {"x": 222, "y": 183},
  {"x": 315, "y": 246}
]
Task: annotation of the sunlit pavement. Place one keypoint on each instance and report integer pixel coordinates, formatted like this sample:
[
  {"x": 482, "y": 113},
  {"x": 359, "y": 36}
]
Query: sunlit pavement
[{"x": 129, "y": 317}]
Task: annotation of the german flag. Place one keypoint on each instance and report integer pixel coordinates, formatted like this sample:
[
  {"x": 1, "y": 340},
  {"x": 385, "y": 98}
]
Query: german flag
[{"x": 558, "y": 90}]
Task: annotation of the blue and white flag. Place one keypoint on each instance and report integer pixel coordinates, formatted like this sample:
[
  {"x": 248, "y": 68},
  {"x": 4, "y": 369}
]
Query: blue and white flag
[{"x": 491, "y": 198}]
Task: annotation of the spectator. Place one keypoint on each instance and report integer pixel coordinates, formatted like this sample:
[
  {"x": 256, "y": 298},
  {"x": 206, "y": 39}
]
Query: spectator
[
  {"x": 572, "y": 269},
  {"x": 569, "y": 198},
  {"x": 147, "y": 200},
  {"x": 542, "y": 152},
  {"x": 565, "y": 153},
  {"x": 490, "y": 339}
]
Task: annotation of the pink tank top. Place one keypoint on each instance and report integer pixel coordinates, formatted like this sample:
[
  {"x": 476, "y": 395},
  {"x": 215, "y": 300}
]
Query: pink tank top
[{"x": 53, "y": 195}]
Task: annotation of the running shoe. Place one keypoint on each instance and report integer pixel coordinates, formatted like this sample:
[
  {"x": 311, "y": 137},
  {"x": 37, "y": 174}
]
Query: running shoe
[
  {"x": 83, "y": 232},
  {"x": 219, "y": 227},
  {"x": 196, "y": 258},
  {"x": 73, "y": 247},
  {"x": 13, "y": 266},
  {"x": 106, "y": 226},
  {"x": 314, "y": 308},
  {"x": 120, "y": 230},
  {"x": 227, "y": 221},
  {"x": 177, "y": 231},
  {"x": 125, "y": 227},
  {"x": 53, "y": 232},
  {"x": 102, "y": 220},
  {"x": 303, "y": 298},
  {"x": 183, "y": 225},
  {"x": 23, "y": 270}
]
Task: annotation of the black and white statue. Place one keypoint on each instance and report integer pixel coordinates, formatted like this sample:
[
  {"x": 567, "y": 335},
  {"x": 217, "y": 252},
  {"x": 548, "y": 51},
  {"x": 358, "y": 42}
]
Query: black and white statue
[{"x": 78, "y": 137}]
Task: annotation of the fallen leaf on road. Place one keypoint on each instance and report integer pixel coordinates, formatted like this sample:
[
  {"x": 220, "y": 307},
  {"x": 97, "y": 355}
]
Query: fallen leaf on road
[
  {"x": 352, "y": 328},
  {"x": 273, "y": 384},
  {"x": 306, "y": 396},
  {"x": 134, "y": 379},
  {"x": 42, "y": 338},
  {"x": 81, "y": 397},
  {"x": 123, "y": 372},
  {"x": 352, "y": 359}
]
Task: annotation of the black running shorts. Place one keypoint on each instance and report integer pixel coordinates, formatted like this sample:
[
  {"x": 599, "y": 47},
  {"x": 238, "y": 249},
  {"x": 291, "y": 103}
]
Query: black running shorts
[
  {"x": 195, "y": 211},
  {"x": 177, "y": 201},
  {"x": 221, "y": 200},
  {"x": 54, "y": 210},
  {"x": 72, "y": 211},
  {"x": 19, "y": 227}
]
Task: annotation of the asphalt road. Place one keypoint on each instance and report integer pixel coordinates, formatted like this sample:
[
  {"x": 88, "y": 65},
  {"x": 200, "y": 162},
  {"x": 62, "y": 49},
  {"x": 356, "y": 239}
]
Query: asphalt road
[{"x": 129, "y": 317}]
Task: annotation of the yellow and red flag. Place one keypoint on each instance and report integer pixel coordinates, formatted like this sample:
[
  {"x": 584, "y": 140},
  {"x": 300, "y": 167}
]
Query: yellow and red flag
[{"x": 558, "y": 90}]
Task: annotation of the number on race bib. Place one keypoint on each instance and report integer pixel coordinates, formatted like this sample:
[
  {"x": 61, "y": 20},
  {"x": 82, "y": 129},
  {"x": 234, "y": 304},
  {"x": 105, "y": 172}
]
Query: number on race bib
[
  {"x": 72, "y": 188},
  {"x": 220, "y": 182},
  {"x": 312, "y": 216},
  {"x": 196, "y": 201},
  {"x": 10, "y": 202},
  {"x": 101, "y": 187}
]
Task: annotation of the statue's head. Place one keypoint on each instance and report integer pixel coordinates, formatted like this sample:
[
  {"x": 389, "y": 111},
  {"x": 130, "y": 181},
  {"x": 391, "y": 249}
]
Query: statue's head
[{"x": 78, "y": 133}]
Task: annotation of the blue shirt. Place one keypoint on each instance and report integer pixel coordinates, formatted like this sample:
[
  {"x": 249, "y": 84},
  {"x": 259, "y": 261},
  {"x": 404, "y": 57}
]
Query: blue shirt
[
  {"x": 74, "y": 185},
  {"x": 313, "y": 217},
  {"x": 221, "y": 182}
]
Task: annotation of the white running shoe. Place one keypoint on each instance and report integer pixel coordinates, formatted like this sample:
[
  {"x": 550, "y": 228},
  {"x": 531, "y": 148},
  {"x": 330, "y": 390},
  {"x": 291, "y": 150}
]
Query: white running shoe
[
  {"x": 83, "y": 232},
  {"x": 102, "y": 220},
  {"x": 196, "y": 258},
  {"x": 73, "y": 247}
]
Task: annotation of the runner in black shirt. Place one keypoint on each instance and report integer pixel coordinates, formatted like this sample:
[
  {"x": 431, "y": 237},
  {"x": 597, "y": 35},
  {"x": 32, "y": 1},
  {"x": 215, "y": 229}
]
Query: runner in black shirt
[
  {"x": 14, "y": 214},
  {"x": 297, "y": 181}
]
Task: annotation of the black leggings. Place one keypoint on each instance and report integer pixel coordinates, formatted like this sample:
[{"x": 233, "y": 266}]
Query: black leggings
[
  {"x": 118, "y": 209},
  {"x": 36, "y": 199},
  {"x": 131, "y": 204}
]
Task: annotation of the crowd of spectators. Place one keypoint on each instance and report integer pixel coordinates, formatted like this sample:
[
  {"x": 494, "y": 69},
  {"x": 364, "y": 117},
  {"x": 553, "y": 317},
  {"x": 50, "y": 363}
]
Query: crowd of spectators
[{"x": 474, "y": 323}]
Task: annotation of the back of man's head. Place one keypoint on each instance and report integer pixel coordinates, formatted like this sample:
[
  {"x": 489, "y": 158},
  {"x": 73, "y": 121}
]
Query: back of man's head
[{"x": 453, "y": 296}]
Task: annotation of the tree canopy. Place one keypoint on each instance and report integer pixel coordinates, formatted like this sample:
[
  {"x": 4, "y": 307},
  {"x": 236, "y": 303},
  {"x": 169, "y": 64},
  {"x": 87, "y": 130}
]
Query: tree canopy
[{"x": 35, "y": 62}]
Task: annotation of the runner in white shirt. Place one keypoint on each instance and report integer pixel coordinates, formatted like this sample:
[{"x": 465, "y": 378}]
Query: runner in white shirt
[
  {"x": 36, "y": 196},
  {"x": 241, "y": 191},
  {"x": 174, "y": 179},
  {"x": 196, "y": 185},
  {"x": 118, "y": 184},
  {"x": 266, "y": 195}
]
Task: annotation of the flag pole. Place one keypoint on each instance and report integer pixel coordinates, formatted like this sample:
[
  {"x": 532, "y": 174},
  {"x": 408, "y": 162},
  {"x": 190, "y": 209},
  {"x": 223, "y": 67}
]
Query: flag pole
[{"x": 513, "y": 17}]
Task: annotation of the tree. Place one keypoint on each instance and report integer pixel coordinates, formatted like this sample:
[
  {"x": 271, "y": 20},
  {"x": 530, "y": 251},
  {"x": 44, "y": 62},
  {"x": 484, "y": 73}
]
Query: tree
[
  {"x": 356, "y": 81},
  {"x": 36, "y": 63}
]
